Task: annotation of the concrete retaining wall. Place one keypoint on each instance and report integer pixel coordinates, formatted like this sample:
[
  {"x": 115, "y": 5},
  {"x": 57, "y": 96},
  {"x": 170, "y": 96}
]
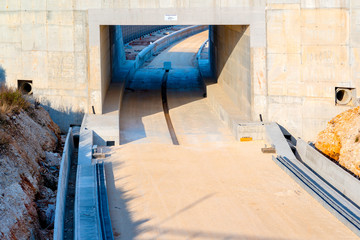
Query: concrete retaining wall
[
  {"x": 331, "y": 172},
  {"x": 63, "y": 186},
  {"x": 300, "y": 51},
  {"x": 231, "y": 46}
]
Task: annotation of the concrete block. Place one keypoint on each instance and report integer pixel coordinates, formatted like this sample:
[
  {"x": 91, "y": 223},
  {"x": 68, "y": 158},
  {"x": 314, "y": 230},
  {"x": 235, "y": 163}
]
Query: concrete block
[
  {"x": 144, "y": 4},
  {"x": 88, "y": 4},
  {"x": 311, "y": 127},
  {"x": 282, "y": 1},
  {"x": 203, "y": 4},
  {"x": 61, "y": 66},
  {"x": 10, "y": 5},
  {"x": 325, "y": 64},
  {"x": 258, "y": 70},
  {"x": 59, "y": 5},
  {"x": 10, "y": 50},
  {"x": 34, "y": 5},
  {"x": 34, "y": 67},
  {"x": 355, "y": 27},
  {"x": 260, "y": 107},
  {"x": 60, "y": 18},
  {"x": 254, "y": 130},
  {"x": 243, "y": 3},
  {"x": 324, "y": 27},
  {"x": 320, "y": 108},
  {"x": 283, "y": 72},
  {"x": 355, "y": 68},
  {"x": 33, "y": 17},
  {"x": 34, "y": 37},
  {"x": 60, "y": 38},
  {"x": 325, "y": 3},
  {"x": 354, "y": 4},
  {"x": 167, "y": 3},
  {"x": 283, "y": 30},
  {"x": 10, "y": 34},
  {"x": 10, "y": 19}
]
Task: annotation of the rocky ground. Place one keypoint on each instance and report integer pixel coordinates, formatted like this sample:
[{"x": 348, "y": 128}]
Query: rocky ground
[
  {"x": 341, "y": 140},
  {"x": 30, "y": 154}
]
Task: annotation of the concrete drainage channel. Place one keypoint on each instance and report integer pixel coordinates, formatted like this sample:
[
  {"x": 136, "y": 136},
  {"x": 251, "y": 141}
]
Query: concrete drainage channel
[
  {"x": 82, "y": 210},
  {"x": 328, "y": 183}
]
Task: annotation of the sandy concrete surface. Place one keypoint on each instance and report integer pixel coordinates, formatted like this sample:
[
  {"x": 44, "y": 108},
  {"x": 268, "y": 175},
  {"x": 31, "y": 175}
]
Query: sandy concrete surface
[
  {"x": 208, "y": 187},
  {"x": 210, "y": 191}
]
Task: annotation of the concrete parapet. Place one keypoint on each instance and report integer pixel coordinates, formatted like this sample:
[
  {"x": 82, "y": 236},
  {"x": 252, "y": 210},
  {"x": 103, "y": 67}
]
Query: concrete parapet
[
  {"x": 340, "y": 179},
  {"x": 313, "y": 181},
  {"x": 63, "y": 186},
  {"x": 85, "y": 146},
  {"x": 275, "y": 136}
]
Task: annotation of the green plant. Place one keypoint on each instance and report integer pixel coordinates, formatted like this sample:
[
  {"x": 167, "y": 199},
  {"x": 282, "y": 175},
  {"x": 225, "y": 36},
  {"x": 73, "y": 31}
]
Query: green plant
[{"x": 12, "y": 101}]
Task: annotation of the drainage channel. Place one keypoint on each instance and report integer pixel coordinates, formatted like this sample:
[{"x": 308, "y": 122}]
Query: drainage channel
[
  {"x": 104, "y": 214},
  {"x": 70, "y": 198},
  {"x": 166, "y": 109}
]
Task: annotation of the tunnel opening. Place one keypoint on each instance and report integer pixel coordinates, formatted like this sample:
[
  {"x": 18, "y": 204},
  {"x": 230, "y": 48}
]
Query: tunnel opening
[
  {"x": 202, "y": 57},
  {"x": 221, "y": 56},
  {"x": 228, "y": 57}
]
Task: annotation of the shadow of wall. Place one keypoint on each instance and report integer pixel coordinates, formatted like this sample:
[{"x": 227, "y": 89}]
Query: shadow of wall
[
  {"x": 64, "y": 117},
  {"x": 2, "y": 75}
]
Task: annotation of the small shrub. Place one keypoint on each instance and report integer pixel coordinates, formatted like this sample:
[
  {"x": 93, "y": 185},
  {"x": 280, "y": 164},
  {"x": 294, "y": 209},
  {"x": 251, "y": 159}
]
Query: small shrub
[{"x": 12, "y": 101}]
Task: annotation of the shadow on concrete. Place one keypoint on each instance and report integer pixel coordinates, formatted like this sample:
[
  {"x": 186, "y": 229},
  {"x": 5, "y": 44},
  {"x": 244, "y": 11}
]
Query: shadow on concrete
[
  {"x": 126, "y": 228},
  {"x": 120, "y": 214},
  {"x": 63, "y": 117},
  {"x": 174, "y": 233},
  {"x": 2, "y": 75},
  {"x": 142, "y": 97}
]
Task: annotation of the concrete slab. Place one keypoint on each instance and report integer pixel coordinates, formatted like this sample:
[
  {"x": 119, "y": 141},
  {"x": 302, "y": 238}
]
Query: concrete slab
[
  {"x": 210, "y": 191},
  {"x": 208, "y": 187}
]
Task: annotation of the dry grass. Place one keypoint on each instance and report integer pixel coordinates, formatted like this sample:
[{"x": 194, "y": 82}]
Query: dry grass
[{"x": 12, "y": 101}]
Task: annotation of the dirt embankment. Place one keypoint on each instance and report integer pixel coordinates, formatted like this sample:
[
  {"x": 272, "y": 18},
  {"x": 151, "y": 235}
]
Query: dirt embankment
[
  {"x": 341, "y": 140},
  {"x": 30, "y": 147}
]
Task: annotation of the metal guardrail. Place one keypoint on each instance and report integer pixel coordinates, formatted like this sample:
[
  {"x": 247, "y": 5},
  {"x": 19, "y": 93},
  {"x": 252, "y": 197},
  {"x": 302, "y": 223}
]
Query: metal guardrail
[
  {"x": 336, "y": 203},
  {"x": 103, "y": 207}
]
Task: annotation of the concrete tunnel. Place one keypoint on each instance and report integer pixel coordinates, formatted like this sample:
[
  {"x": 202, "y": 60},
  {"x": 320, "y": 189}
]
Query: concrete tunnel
[{"x": 229, "y": 60}]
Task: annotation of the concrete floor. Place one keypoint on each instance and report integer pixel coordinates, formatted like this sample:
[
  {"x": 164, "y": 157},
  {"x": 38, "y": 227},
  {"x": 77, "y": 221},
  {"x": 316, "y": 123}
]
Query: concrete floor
[{"x": 208, "y": 187}]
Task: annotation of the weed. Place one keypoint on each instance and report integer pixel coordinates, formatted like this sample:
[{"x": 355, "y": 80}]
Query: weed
[{"x": 12, "y": 101}]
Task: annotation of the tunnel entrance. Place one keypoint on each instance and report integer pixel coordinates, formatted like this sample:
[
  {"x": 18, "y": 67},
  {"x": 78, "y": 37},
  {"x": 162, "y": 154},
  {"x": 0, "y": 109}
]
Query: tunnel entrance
[
  {"x": 123, "y": 51},
  {"x": 230, "y": 31}
]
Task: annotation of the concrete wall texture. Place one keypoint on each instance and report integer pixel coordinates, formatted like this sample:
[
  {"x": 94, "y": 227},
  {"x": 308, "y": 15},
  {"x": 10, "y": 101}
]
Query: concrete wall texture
[
  {"x": 299, "y": 51},
  {"x": 232, "y": 63}
]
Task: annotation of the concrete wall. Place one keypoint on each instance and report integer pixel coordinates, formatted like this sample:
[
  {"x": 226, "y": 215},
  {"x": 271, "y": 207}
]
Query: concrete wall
[
  {"x": 105, "y": 60},
  {"x": 312, "y": 47},
  {"x": 232, "y": 64},
  {"x": 118, "y": 56},
  {"x": 300, "y": 50}
]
